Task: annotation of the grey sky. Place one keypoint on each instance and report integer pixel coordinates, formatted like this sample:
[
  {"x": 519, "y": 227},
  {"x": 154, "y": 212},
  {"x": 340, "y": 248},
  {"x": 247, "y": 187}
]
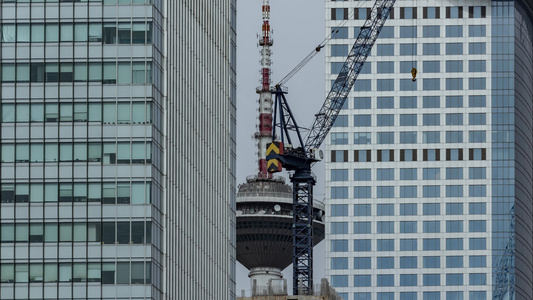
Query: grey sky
[{"x": 298, "y": 27}]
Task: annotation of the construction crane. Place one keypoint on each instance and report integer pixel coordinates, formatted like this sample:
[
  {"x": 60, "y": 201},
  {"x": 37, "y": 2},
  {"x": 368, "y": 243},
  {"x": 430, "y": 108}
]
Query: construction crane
[{"x": 282, "y": 153}]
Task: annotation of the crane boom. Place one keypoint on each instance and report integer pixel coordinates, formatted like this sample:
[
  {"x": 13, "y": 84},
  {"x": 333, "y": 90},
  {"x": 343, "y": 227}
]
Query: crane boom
[
  {"x": 300, "y": 159},
  {"x": 348, "y": 74}
]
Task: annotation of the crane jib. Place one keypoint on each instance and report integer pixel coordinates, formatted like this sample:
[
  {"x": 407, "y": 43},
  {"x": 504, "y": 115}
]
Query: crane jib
[{"x": 348, "y": 74}]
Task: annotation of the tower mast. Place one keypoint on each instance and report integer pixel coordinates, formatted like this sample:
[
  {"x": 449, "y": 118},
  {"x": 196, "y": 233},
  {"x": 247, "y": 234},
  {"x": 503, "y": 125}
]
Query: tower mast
[{"x": 264, "y": 135}]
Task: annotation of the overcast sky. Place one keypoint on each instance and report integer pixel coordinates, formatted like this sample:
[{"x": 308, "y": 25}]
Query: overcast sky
[{"x": 298, "y": 27}]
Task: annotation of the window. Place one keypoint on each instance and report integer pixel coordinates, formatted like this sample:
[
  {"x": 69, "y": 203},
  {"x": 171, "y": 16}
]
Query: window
[
  {"x": 408, "y": 137},
  {"x": 340, "y": 121},
  {"x": 431, "y": 12},
  {"x": 339, "y": 50},
  {"x": 477, "y": 226},
  {"x": 339, "y": 192},
  {"x": 476, "y": 83},
  {"x": 362, "y": 175},
  {"x": 454, "y": 136},
  {"x": 431, "y": 226},
  {"x": 408, "y": 192},
  {"x": 408, "y": 262},
  {"x": 477, "y": 30},
  {"x": 361, "y": 228},
  {"x": 408, "y": 174},
  {"x": 431, "y": 31},
  {"x": 363, "y": 85},
  {"x": 408, "y": 227},
  {"x": 336, "y": 67},
  {"x": 431, "y": 173},
  {"x": 477, "y": 279},
  {"x": 431, "y": 119},
  {"x": 408, "y": 209},
  {"x": 454, "y": 279},
  {"x": 454, "y": 208},
  {"x": 339, "y": 174},
  {"x": 407, "y": 66},
  {"x": 477, "y": 261},
  {"x": 477, "y": 136},
  {"x": 431, "y": 279},
  {"x": 477, "y": 154},
  {"x": 431, "y": 137},
  {"x": 431, "y": 84},
  {"x": 362, "y": 192},
  {"x": 477, "y": 208},
  {"x": 386, "y": 32},
  {"x": 339, "y": 245},
  {"x": 339, "y": 228},
  {"x": 385, "y": 227},
  {"x": 385, "y": 137},
  {"x": 361, "y": 210},
  {"x": 454, "y": 48},
  {"x": 407, "y": 49},
  {"x": 385, "y": 245},
  {"x": 477, "y": 191},
  {"x": 385, "y": 102},
  {"x": 477, "y": 48},
  {"x": 408, "y": 102},
  {"x": 385, "y": 192},
  {"x": 339, "y": 210},
  {"x": 339, "y": 280},
  {"x": 339, "y": 13},
  {"x": 407, "y": 31},
  {"x": 431, "y": 262},
  {"x": 385, "y": 262},
  {"x": 454, "y": 191},
  {"x": 362, "y": 138},
  {"x": 362, "y": 263},
  {"x": 407, "y": 295},
  {"x": 339, "y": 155},
  {"x": 431, "y": 209},
  {"x": 454, "y": 261},
  {"x": 385, "y": 210},
  {"x": 385, "y": 85},
  {"x": 385, "y": 280},
  {"x": 408, "y": 154},
  {"x": 454, "y": 66},
  {"x": 385, "y": 120},
  {"x": 454, "y": 101},
  {"x": 385, "y": 67},
  {"x": 362, "y": 121},
  {"x": 454, "y": 119},
  {"x": 385, "y": 49},
  {"x": 362, "y": 245},
  {"x": 431, "y": 66},
  {"x": 408, "y": 245},
  {"x": 454, "y": 84},
  {"x": 455, "y": 154},
  {"x": 478, "y": 295},
  {"x": 454, "y": 173},
  {"x": 339, "y": 138},
  {"x": 454, "y": 244},
  {"x": 476, "y": 66},
  {"x": 454, "y": 226},
  {"x": 362, "y": 280},
  {"x": 431, "y": 49},
  {"x": 362, "y": 103},
  {"x": 339, "y": 32},
  {"x": 454, "y": 30}
]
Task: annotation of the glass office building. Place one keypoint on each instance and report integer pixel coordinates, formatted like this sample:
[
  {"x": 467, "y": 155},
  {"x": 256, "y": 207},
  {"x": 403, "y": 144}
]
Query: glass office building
[
  {"x": 429, "y": 183},
  {"x": 117, "y": 149}
]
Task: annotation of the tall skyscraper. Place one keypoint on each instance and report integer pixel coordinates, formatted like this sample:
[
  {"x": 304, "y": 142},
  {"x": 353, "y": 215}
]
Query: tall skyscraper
[
  {"x": 429, "y": 182},
  {"x": 117, "y": 149}
]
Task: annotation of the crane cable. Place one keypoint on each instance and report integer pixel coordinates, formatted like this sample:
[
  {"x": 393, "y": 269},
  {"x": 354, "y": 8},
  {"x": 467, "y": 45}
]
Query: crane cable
[{"x": 317, "y": 49}]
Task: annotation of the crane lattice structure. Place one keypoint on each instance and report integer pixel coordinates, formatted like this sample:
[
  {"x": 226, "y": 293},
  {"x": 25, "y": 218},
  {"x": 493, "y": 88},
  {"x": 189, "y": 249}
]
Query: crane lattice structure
[
  {"x": 505, "y": 278},
  {"x": 300, "y": 159}
]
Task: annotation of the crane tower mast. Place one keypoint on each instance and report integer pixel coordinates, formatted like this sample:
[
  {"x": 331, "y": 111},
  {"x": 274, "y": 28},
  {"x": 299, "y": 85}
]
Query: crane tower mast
[{"x": 300, "y": 159}]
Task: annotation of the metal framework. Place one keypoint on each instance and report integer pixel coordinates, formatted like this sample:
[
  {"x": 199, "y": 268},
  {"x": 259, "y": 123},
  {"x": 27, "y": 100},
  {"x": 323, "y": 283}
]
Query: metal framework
[
  {"x": 300, "y": 159},
  {"x": 349, "y": 72}
]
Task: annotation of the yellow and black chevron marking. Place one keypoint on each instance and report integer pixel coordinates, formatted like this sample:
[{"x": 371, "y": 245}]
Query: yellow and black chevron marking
[{"x": 274, "y": 165}]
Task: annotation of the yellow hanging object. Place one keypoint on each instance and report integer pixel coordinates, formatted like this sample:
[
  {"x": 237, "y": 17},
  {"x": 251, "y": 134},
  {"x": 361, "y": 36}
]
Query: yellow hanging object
[{"x": 413, "y": 72}]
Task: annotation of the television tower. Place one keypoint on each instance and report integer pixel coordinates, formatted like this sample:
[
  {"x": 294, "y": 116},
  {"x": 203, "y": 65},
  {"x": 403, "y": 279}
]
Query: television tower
[{"x": 265, "y": 202}]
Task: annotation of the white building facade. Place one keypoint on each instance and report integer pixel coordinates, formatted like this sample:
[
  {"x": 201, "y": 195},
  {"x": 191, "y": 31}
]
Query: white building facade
[
  {"x": 117, "y": 149},
  {"x": 429, "y": 182}
]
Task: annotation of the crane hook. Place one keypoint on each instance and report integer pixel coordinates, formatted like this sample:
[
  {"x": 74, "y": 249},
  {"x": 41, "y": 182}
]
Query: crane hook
[
  {"x": 319, "y": 47},
  {"x": 413, "y": 73}
]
